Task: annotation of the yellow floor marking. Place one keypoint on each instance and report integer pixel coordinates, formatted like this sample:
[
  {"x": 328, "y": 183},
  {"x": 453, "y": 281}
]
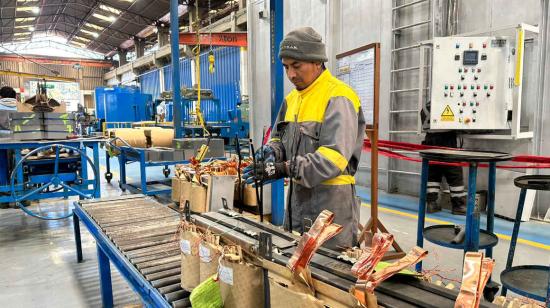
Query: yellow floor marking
[{"x": 443, "y": 222}]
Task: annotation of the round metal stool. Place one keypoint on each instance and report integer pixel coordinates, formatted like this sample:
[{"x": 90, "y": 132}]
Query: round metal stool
[{"x": 531, "y": 281}]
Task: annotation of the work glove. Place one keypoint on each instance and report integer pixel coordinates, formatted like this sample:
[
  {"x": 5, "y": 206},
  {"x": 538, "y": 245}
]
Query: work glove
[
  {"x": 264, "y": 171},
  {"x": 266, "y": 154}
]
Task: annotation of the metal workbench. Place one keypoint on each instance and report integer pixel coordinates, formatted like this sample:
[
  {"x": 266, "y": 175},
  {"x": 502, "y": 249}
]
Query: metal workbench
[
  {"x": 150, "y": 188},
  {"x": 17, "y": 146}
]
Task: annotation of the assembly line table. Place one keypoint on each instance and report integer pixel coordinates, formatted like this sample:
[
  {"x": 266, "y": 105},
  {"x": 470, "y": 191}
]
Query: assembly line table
[{"x": 137, "y": 235}]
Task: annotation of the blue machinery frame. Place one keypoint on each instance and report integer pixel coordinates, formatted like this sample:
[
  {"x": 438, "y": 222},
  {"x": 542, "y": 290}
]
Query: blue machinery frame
[
  {"x": 129, "y": 154},
  {"x": 18, "y": 146},
  {"x": 277, "y": 88},
  {"x": 106, "y": 253},
  {"x": 174, "y": 45}
]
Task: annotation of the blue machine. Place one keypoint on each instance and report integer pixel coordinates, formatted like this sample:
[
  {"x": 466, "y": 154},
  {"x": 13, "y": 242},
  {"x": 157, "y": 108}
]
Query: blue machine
[
  {"x": 35, "y": 178},
  {"x": 122, "y": 104},
  {"x": 239, "y": 123}
]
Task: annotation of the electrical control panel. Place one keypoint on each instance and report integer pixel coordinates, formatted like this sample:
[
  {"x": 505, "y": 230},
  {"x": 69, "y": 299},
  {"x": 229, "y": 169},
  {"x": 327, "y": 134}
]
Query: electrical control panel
[{"x": 472, "y": 83}]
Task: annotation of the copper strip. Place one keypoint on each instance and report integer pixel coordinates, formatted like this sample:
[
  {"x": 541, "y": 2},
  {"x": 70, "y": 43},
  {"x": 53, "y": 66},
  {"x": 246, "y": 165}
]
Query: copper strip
[
  {"x": 322, "y": 230},
  {"x": 471, "y": 277}
]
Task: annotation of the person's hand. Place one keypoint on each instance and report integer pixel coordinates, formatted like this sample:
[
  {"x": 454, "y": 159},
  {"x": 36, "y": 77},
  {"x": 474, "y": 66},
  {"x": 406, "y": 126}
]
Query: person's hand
[
  {"x": 266, "y": 154},
  {"x": 266, "y": 172}
]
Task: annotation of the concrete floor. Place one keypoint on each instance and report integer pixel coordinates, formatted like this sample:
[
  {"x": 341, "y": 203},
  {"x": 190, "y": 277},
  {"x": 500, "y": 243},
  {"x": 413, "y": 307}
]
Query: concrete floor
[
  {"x": 39, "y": 267},
  {"x": 38, "y": 262}
]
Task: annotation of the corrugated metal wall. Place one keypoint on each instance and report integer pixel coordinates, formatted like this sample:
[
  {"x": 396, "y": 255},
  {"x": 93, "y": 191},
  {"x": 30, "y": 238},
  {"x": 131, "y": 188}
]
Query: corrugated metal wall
[
  {"x": 224, "y": 81},
  {"x": 185, "y": 75},
  {"x": 11, "y": 81},
  {"x": 91, "y": 76},
  {"x": 150, "y": 83}
]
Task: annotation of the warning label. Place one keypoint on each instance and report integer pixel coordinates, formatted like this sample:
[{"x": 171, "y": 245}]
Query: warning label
[{"x": 447, "y": 115}]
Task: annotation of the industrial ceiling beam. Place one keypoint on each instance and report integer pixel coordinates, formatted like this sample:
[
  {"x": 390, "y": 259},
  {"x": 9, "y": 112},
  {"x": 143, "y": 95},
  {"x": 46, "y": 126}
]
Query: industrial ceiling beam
[
  {"x": 37, "y": 76},
  {"x": 142, "y": 19}
]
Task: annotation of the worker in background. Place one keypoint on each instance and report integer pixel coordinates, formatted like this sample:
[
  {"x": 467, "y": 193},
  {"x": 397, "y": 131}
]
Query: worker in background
[
  {"x": 161, "y": 112},
  {"x": 316, "y": 140},
  {"x": 452, "y": 174},
  {"x": 8, "y": 104}
]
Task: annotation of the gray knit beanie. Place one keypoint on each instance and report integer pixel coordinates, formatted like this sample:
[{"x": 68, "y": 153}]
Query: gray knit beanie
[{"x": 303, "y": 44}]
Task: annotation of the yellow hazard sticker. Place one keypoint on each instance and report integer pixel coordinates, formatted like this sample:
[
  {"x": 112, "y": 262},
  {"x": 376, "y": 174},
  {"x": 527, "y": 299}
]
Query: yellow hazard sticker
[{"x": 447, "y": 115}]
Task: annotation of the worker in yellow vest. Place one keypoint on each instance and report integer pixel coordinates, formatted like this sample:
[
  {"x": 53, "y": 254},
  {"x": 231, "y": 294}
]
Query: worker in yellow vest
[{"x": 317, "y": 140}]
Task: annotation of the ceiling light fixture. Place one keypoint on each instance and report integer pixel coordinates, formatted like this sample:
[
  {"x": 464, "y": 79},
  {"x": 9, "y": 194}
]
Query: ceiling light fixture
[
  {"x": 109, "y": 9},
  {"x": 24, "y": 19},
  {"x": 80, "y": 38},
  {"x": 94, "y": 34},
  {"x": 105, "y": 18},
  {"x": 33, "y": 9},
  {"x": 94, "y": 26}
]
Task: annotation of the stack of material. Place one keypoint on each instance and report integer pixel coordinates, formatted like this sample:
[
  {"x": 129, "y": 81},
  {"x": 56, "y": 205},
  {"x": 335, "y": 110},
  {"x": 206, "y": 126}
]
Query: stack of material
[
  {"x": 204, "y": 185},
  {"x": 41, "y": 125}
]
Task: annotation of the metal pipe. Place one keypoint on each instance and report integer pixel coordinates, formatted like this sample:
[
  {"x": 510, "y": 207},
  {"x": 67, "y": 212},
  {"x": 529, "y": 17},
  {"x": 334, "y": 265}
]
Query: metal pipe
[
  {"x": 174, "y": 46},
  {"x": 133, "y": 244},
  {"x": 491, "y": 202},
  {"x": 182, "y": 303},
  {"x": 181, "y": 294},
  {"x": 471, "y": 232},
  {"x": 158, "y": 262},
  {"x": 155, "y": 246},
  {"x": 154, "y": 250},
  {"x": 149, "y": 233},
  {"x": 157, "y": 256},
  {"x": 276, "y": 13},
  {"x": 515, "y": 233},
  {"x": 159, "y": 268},
  {"x": 169, "y": 289},
  {"x": 164, "y": 274},
  {"x": 166, "y": 281},
  {"x": 422, "y": 208}
]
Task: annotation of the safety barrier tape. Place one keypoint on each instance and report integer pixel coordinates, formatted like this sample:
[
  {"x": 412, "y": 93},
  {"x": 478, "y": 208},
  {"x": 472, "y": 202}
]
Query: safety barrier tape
[{"x": 386, "y": 148}]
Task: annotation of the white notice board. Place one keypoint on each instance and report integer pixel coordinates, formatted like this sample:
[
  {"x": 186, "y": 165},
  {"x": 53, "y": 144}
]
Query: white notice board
[{"x": 358, "y": 71}]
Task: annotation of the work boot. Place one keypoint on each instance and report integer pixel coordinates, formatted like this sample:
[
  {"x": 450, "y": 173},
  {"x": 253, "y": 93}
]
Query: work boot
[
  {"x": 459, "y": 205},
  {"x": 432, "y": 206}
]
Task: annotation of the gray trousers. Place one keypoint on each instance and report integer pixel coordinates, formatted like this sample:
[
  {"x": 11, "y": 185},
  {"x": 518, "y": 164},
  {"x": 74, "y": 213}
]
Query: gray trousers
[{"x": 308, "y": 203}]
